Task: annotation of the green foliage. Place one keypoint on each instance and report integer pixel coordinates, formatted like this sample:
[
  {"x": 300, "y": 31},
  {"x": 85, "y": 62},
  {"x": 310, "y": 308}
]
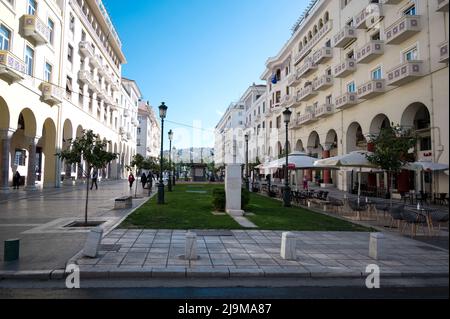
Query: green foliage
[
  {"x": 391, "y": 148},
  {"x": 219, "y": 199},
  {"x": 245, "y": 198}
]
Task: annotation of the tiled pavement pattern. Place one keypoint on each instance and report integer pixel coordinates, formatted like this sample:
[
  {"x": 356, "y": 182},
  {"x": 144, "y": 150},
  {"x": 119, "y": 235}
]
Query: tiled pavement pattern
[{"x": 254, "y": 252}]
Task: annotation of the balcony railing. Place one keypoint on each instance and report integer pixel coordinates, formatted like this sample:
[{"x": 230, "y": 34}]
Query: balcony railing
[
  {"x": 443, "y": 52},
  {"x": 346, "y": 100},
  {"x": 323, "y": 110},
  {"x": 306, "y": 93},
  {"x": 344, "y": 37},
  {"x": 11, "y": 67},
  {"x": 345, "y": 68},
  {"x": 287, "y": 101},
  {"x": 369, "y": 16},
  {"x": 322, "y": 55},
  {"x": 51, "y": 94},
  {"x": 370, "y": 51},
  {"x": 442, "y": 5},
  {"x": 404, "y": 73},
  {"x": 322, "y": 83},
  {"x": 307, "y": 118},
  {"x": 35, "y": 28},
  {"x": 306, "y": 68},
  {"x": 87, "y": 78},
  {"x": 392, "y": 1},
  {"x": 294, "y": 79},
  {"x": 403, "y": 29},
  {"x": 371, "y": 89},
  {"x": 311, "y": 43},
  {"x": 86, "y": 49}
]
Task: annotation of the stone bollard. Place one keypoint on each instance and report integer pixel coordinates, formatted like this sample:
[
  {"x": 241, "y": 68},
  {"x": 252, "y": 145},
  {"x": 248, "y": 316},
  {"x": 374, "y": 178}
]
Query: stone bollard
[
  {"x": 93, "y": 242},
  {"x": 288, "y": 246},
  {"x": 190, "y": 251},
  {"x": 376, "y": 246},
  {"x": 11, "y": 252}
]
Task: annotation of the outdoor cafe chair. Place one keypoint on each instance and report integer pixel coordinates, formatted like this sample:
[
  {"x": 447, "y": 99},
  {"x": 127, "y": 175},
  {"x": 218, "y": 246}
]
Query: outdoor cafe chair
[
  {"x": 396, "y": 216},
  {"x": 413, "y": 219},
  {"x": 440, "y": 199},
  {"x": 357, "y": 207},
  {"x": 439, "y": 218}
]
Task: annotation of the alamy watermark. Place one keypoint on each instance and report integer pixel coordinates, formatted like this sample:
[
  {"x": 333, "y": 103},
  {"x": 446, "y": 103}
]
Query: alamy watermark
[
  {"x": 73, "y": 278},
  {"x": 373, "y": 279}
]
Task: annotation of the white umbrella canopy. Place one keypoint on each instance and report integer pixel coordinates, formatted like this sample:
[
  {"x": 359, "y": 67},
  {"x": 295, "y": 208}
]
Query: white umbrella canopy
[
  {"x": 297, "y": 160},
  {"x": 426, "y": 166},
  {"x": 357, "y": 159}
]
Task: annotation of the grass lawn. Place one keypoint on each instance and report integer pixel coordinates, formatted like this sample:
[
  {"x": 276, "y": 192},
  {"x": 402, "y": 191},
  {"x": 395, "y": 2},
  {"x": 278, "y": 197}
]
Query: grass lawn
[{"x": 189, "y": 207}]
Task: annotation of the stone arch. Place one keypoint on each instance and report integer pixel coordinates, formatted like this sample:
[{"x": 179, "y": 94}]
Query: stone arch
[
  {"x": 326, "y": 16},
  {"x": 27, "y": 119},
  {"x": 314, "y": 145},
  {"x": 355, "y": 138},
  {"x": 331, "y": 141},
  {"x": 315, "y": 30},
  {"x": 5, "y": 116},
  {"x": 279, "y": 149},
  {"x": 416, "y": 115},
  {"x": 379, "y": 122},
  {"x": 67, "y": 137},
  {"x": 320, "y": 24},
  {"x": 299, "y": 146}
]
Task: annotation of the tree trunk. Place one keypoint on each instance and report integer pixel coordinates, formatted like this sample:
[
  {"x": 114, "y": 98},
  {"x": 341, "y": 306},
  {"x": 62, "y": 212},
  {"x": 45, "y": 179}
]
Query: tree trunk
[{"x": 87, "y": 199}]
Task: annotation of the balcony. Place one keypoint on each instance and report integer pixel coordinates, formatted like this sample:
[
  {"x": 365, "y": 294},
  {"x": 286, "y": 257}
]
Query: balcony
[
  {"x": 86, "y": 77},
  {"x": 370, "y": 51},
  {"x": 392, "y": 1},
  {"x": 322, "y": 83},
  {"x": 403, "y": 29},
  {"x": 442, "y": 6},
  {"x": 51, "y": 94},
  {"x": 36, "y": 29},
  {"x": 311, "y": 43},
  {"x": 308, "y": 117},
  {"x": 346, "y": 100},
  {"x": 323, "y": 110},
  {"x": 126, "y": 113},
  {"x": 115, "y": 86},
  {"x": 344, "y": 37},
  {"x": 371, "y": 89},
  {"x": 306, "y": 93},
  {"x": 345, "y": 68},
  {"x": 86, "y": 49},
  {"x": 443, "y": 52},
  {"x": 405, "y": 73},
  {"x": 287, "y": 101},
  {"x": 294, "y": 79},
  {"x": 95, "y": 61},
  {"x": 11, "y": 67},
  {"x": 306, "y": 68},
  {"x": 322, "y": 55},
  {"x": 370, "y": 15}
]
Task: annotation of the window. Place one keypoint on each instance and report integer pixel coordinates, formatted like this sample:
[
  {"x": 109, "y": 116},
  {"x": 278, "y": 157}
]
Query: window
[
  {"x": 329, "y": 100},
  {"x": 70, "y": 54},
  {"x": 69, "y": 88},
  {"x": 376, "y": 36},
  {"x": 287, "y": 90},
  {"x": 138, "y": 142},
  {"x": 32, "y": 6},
  {"x": 411, "y": 11},
  {"x": 48, "y": 72},
  {"x": 351, "y": 88},
  {"x": 376, "y": 74},
  {"x": 5, "y": 37},
  {"x": 139, "y": 130},
  {"x": 278, "y": 97},
  {"x": 278, "y": 122},
  {"x": 351, "y": 54},
  {"x": 72, "y": 24},
  {"x": 19, "y": 157},
  {"x": 29, "y": 60},
  {"x": 51, "y": 27},
  {"x": 83, "y": 35},
  {"x": 411, "y": 55}
]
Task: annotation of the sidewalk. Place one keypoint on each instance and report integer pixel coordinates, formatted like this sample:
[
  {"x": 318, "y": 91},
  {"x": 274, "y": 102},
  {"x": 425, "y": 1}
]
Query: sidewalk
[
  {"x": 39, "y": 218},
  {"x": 254, "y": 253}
]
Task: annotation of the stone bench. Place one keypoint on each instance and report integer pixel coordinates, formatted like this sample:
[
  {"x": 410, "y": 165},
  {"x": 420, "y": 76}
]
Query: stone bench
[{"x": 123, "y": 202}]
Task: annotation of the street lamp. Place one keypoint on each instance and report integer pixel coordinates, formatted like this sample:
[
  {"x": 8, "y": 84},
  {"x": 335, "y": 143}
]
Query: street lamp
[
  {"x": 174, "y": 169},
  {"x": 169, "y": 180},
  {"x": 162, "y": 115},
  {"x": 287, "y": 190},
  {"x": 246, "y": 161}
]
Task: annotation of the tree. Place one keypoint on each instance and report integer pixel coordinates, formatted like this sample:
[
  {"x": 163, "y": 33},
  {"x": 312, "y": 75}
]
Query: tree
[
  {"x": 392, "y": 150},
  {"x": 90, "y": 149}
]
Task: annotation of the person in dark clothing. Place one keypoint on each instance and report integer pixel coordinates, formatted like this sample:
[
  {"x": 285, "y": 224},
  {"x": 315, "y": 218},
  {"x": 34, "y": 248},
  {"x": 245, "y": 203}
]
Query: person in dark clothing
[
  {"x": 94, "y": 179},
  {"x": 131, "y": 180},
  {"x": 143, "y": 180},
  {"x": 150, "y": 178},
  {"x": 16, "y": 180}
]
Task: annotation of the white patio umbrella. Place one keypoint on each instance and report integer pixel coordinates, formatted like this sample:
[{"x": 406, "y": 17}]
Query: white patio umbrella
[
  {"x": 296, "y": 160},
  {"x": 423, "y": 166},
  {"x": 357, "y": 159}
]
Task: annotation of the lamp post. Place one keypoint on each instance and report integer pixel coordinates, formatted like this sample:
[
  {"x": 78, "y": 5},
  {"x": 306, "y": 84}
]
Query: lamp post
[
  {"x": 169, "y": 179},
  {"x": 174, "y": 170},
  {"x": 287, "y": 190},
  {"x": 162, "y": 115},
  {"x": 246, "y": 162}
]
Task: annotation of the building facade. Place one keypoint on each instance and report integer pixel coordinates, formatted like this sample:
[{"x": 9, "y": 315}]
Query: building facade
[
  {"x": 354, "y": 67},
  {"x": 60, "y": 74},
  {"x": 149, "y": 132}
]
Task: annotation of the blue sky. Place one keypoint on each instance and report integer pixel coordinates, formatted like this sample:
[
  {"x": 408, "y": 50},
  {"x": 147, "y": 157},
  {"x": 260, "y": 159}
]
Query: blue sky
[{"x": 198, "y": 56}]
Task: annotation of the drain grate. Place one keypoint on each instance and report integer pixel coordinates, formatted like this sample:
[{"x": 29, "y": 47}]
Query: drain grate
[
  {"x": 213, "y": 232},
  {"x": 110, "y": 247}
]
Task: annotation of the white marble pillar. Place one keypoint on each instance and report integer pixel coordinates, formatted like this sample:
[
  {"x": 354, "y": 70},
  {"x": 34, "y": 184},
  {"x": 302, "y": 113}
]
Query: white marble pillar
[
  {"x": 376, "y": 246},
  {"x": 190, "y": 250},
  {"x": 288, "y": 246},
  {"x": 31, "y": 174},
  {"x": 5, "y": 136},
  {"x": 233, "y": 188}
]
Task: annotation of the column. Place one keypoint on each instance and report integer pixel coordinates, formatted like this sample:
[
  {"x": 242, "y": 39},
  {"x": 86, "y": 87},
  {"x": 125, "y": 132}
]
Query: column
[
  {"x": 326, "y": 173},
  {"x": 86, "y": 99},
  {"x": 6, "y": 136},
  {"x": 108, "y": 115},
  {"x": 372, "y": 178},
  {"x": 102, "y": 111},
  {"x": 31, "y": 174},
  {"x": 68, "y": 174},
  {"x": 94, "y": 104}
]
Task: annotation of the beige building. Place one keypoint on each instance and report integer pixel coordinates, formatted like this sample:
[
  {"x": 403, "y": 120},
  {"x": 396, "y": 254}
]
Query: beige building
[
  {"x": 149, "y": 132},
  {"x": 60, "y": 74},
  {"x": 353, "y": 67}
]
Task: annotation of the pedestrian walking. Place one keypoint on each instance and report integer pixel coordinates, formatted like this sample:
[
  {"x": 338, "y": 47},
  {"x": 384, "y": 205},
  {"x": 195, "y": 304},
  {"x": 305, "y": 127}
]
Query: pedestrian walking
[
  {"x": 143, "y": 179},
  {"x": 150, "y": 178},
  {"x": 305, "y": 183},
  {"x": 16, "y": 180},
  {"x": 131, "y": 180},
  {"x": 94, "y": 179}
]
